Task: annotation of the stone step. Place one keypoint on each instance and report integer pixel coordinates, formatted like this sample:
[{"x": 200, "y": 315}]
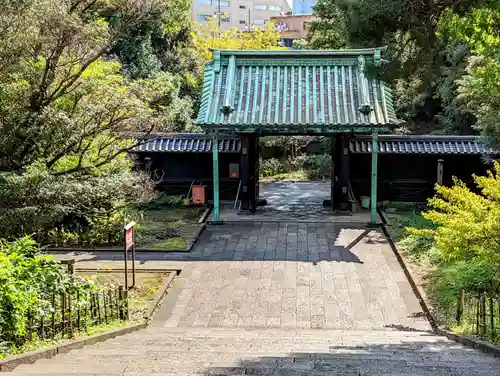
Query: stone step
[
  {"x": 263, "y": 372},
  {"x": 266, "y": 367},
  {"x": 431, "y": 359},
  {"x": 207, "y": 351},
  {"x": 279, "y": 346}
]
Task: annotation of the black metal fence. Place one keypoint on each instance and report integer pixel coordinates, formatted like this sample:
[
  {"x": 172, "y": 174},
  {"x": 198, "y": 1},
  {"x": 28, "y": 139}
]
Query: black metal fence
[
  {"x": 77, "y": 311},
  {"x": 479, "y": 314}
]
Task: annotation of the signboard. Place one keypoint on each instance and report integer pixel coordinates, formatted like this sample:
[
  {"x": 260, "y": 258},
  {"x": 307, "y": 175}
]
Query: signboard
[
  {"x": 129, "y": 243},
  {"x": 198, "y": 194},
  {"x": 234, "y": 170},
  {"x": 129, "y": 236}
]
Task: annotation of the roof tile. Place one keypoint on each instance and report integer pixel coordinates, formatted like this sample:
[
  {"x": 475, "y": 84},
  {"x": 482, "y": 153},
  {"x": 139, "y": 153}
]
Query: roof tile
[
  {"x": 189, "y": 143},
  {"x": 389, "y": 144},
  {"x": 288, "y": 89}
]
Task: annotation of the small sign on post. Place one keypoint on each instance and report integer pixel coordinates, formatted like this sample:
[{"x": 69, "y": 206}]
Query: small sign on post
[{"x": 129, "y": 244}]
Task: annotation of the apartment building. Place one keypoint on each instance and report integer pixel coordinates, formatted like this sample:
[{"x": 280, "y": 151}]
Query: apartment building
[
  {"x": 242, "y": 14},
  {"x": 292, "y": 27},
  {"x": 303, "y": 6}
]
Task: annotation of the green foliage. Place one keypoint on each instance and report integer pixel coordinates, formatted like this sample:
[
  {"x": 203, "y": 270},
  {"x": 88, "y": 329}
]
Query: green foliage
[
  {"x": 270, "y": 167},
  {"x": 456, "y": 240},
  {"x": 468, "y": 223},
  {"x": 407, "y": 227},
  {"x": 317, "y": 166},
  {"x": 300, "y": 44},
  {"x": 479, "y": 29},
  {"x": 426, "y": 57},
  {"x": 161, "y": 45},
  {"x": 209, "y": 36},
  {"x": 69, "y": 209},
  {"x": 65, "y": 105},
  {"x": 172, "y": 243},
  {"x": 27, "y": 281}
]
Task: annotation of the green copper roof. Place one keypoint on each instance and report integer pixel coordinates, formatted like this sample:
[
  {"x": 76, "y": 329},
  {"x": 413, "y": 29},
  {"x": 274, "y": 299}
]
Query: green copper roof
[{"x": 287, "y": 91}]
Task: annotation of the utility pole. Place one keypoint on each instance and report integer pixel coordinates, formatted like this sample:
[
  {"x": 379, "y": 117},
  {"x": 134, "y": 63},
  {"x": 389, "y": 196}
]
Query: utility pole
[{"x": 218, "y": 15}]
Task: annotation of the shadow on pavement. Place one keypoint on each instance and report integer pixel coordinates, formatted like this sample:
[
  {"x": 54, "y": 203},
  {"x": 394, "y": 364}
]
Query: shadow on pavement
[
  {"x": 412, "y": 358},
  {"x": 262, "y": 241}
]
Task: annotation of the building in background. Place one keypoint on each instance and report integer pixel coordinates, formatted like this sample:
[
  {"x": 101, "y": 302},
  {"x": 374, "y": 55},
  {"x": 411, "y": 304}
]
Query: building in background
[
  {"x": 292, "y": 27},
  {"x": 242, "y": 14},
  {"x": 303, "y": 6}
]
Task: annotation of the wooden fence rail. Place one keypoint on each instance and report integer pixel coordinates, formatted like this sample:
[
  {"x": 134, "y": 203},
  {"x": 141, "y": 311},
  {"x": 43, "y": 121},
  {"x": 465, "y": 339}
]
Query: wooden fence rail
[
  {"x": 480, "y": 312},
  {"x": 77, "y": 311}
]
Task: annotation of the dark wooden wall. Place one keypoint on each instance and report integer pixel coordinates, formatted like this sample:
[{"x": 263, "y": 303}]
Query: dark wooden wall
[
  {"x": 411, "y": 177},
  {"x": 178, "y": 170},
  {"x": 401, "y": 177}
]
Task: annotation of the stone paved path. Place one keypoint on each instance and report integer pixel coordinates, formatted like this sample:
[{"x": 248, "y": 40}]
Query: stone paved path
[
  {"x": 269, "y": 299},
  {"x": 295, "y": 276},
  {"x": 295, "y": 201}
]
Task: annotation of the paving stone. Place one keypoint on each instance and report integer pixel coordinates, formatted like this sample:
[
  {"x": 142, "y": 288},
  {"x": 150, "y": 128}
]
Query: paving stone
[{"x": 309, "y": 299}]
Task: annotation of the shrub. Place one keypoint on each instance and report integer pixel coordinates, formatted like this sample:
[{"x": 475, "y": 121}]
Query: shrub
[
  {"x": 468, "y": 223},
  {"x": 54, "y": 208},
  {"x": 448, "y": 281},
  {"x": 270, "y": 167},
  {"x": 28, "y": 282},
  {"x": 24, "y": 276},
  {"x": 317, "y": 165}
]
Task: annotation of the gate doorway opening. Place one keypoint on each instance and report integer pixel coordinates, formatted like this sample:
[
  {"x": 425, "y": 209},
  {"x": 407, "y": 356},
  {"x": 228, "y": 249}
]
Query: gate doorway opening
[
  {"x": 286, "y": 92},
  {"x": 328, "y": 199}
]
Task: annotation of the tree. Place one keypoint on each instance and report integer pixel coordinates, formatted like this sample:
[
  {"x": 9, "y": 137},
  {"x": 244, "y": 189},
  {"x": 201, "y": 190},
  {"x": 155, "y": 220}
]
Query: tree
[
  {"x": 468, "y": 223},
  {"x": 423, "y": 65},
  {"x": 209, "y": 36},
  {"x": 162, "y": 43},
  {"x": 479, "y": 29},
  {"x": 65, "y": 108}
]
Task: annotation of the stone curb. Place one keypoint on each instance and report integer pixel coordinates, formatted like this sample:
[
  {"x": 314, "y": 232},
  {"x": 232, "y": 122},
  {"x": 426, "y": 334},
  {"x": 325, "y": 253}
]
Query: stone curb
[
  {"x": 422, "y": 298},
  {"x": 11, "y": 362},
  {"x": 475, "y": 343},
  {"x": 159, "y": 296},
  {"x": 57, "y": 251},
  {"x": 188, "y": 249},
  {"x": 262, "y": 221},
  {"x": 205, "y": 215}
]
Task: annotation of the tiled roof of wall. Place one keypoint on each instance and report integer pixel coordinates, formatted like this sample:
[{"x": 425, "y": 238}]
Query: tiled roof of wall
[
  {"x": 389, "y": 144},
  {"x": 189, "y": 143}
]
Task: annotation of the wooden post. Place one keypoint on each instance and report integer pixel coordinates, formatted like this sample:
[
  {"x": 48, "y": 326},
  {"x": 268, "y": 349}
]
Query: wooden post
[
  {"x": 53, "y": 319},
  {"x": 215, "y": 157},
  {"x": 492, "y": 318},
  {"x": 344, "y": 172},
  {"x": 78, "y": 315},
  {"x": 440, "y": 171},
  {"x": 482, "y": 303},
  {"x": 121, "y": 300},
  {"x": 374, "y": 178},
  {"x": 245, "y": 171},
  {"x": 125, "y": 254},
  {"x": 460, "y": 307},
  {"x": 133, "y": 258},
  {"x": 70, "y": 316},
  {"x": 129, "y": 243}
]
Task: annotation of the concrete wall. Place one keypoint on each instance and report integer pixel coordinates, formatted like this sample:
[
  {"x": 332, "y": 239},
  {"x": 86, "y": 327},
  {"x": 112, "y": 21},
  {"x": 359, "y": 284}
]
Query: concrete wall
[{"x": 292, "y": 26}]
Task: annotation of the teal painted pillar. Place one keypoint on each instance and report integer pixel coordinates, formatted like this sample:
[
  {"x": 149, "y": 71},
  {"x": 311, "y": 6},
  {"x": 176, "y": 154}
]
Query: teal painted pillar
[
  {"x": 374, "y": 178},
  {"x": 215, "y": 157}
]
